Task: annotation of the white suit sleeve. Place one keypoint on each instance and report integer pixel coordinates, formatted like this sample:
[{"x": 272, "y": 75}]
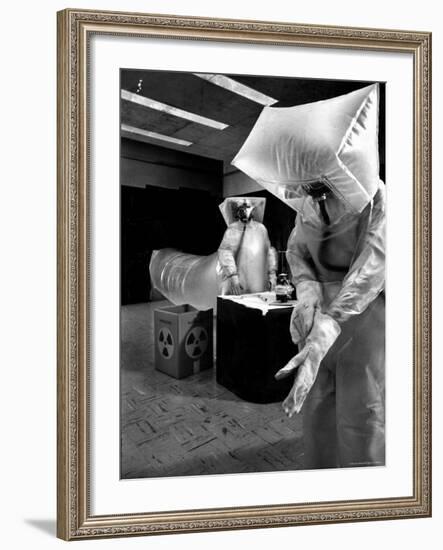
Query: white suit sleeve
[
  {"x": 272, "y": 260},
  {"x": 298, "y": 256},
  {"x": 366, "y": 277},
  {"x": 228, "y": 249}
]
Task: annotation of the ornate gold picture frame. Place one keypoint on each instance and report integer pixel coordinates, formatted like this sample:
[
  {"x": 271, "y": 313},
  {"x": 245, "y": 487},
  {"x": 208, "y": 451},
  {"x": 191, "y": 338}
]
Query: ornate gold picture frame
[{"x": 75, "y": 31}]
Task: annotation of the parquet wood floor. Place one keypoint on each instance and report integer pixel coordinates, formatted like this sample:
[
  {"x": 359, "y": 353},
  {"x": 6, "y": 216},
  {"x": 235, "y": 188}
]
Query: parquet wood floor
[{"x": 192, "y": 426}]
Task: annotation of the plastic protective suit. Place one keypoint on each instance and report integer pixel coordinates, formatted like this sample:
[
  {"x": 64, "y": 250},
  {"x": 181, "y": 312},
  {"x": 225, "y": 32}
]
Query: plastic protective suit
[
  {"x": 245, "y": 261},
  {"x": 246, "y": 257},
  {"x": 322, "y": 160}
]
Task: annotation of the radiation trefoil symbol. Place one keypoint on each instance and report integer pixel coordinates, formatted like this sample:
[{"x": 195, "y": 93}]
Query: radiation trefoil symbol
[
  {"x": 196, "y": 342},
  {"x": 165, "y": 343}
]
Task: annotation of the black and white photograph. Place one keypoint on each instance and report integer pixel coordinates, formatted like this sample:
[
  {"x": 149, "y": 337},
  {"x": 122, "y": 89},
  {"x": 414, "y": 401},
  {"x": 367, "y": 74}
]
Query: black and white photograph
[
  {"x": 217, "y": 279},
  {"x": 252, "y": 234}
]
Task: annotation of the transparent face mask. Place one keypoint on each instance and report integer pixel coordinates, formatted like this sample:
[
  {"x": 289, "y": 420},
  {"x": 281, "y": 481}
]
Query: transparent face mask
[
  {"x": 244, "y": 212},
  {"x": 319, "y": 192}
]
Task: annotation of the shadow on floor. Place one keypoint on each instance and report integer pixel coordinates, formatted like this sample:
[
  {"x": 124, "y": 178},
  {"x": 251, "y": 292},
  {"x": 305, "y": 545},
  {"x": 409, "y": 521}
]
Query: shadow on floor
[{"x": 48, "y": 526}]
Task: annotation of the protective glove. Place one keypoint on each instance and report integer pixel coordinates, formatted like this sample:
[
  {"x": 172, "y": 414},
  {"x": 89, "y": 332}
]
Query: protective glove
[
  {"x": 272, "y": 280},
  {"x": 235, "y": 286},
  {"x": 309, "y": 297},
  {"x": 325, "y": 330}
]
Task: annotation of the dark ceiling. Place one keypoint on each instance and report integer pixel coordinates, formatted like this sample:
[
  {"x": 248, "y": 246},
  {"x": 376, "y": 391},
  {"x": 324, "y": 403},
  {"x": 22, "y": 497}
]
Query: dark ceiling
[{"x": 196, "y": 95}]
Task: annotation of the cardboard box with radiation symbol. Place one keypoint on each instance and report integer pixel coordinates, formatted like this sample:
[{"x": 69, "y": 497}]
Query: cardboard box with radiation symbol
[{"x": 183, "y": 340}]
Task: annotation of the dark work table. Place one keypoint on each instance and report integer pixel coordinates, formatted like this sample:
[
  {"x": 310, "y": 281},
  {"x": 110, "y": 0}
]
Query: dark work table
[{"x": 251, "y": 347}]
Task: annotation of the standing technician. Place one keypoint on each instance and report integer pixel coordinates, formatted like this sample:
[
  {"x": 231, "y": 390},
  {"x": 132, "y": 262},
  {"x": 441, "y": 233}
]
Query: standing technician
[{"x": 322, "y": 160}]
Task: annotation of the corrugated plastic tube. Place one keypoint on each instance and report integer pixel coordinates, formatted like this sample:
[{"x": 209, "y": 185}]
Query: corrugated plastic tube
[{"x": 186, "y": 278}]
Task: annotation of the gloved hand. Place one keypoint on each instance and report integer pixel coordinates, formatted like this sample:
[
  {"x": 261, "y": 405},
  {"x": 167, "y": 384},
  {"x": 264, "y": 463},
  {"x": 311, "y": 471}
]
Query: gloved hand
[
  {"x": 325, "y": 330},
  {"x": 272, "y": 280},
  {"x": 309, "y": 297},
  {"x": 235, "y": 286}
]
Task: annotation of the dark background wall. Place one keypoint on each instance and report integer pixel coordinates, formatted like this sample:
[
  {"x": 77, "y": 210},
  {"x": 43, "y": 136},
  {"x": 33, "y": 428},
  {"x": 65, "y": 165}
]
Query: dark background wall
[{"x": 172, "y": 201}]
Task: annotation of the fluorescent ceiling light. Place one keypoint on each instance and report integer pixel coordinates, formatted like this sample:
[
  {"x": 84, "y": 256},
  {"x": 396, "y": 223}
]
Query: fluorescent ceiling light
[
  {"x": 154, "y": 135},
  {"x": 163, "y": 107},
  {"x": 237, "y": 88}
]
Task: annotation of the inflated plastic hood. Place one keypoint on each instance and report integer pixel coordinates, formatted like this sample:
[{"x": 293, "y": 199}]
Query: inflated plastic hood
[{"x": 335, "y": 141}]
